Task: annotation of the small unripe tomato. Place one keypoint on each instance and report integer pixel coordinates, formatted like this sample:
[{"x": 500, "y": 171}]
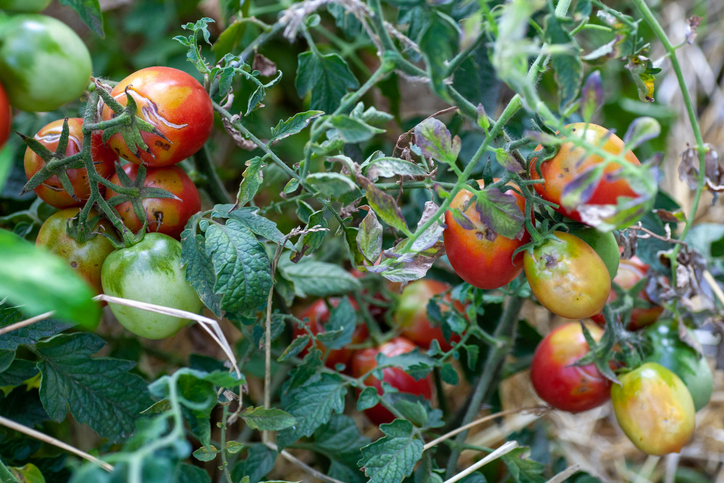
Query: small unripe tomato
[
  {"x": 87, "y": 257},
  {"x": 654, "y": 409},
  {"x": 175, "y": 104},
  {"x": 6, "y": 117},
  {"x": 364, "y": 361},
  {"x": 411, "y": 313},
  {"x": 51, "y": 191},
  {"x": 484, "y": 260},
  {"x": 164, "y": 215},
  {"x": 568, "y": 277},
  {"x": 570, "y": 162},
  {"x": 555, "y": 377},
  {"x": 318, "y": 314}
]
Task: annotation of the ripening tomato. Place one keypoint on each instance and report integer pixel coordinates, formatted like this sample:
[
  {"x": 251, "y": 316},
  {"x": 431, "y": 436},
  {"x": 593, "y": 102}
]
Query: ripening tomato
[
  {"x": 630, "y": 272},
  {"x": 51, "y": 191},
  {"x": 87, "y": 257},
  {"x": 411, "y": 313},
  {"x": 318, "y": 314},
  {"x": 6, "y": 117},
  {"x": 558, "y": 381},
  {"x": 364, "y": 361},
  {"x": 671, "y": 352},
  {"x": 483, "y": 259},
  {"x": 568, "y": 277},
  {"x": 164, "y": 215},
  {"x": 604, "y": 244},
  {"x": 149, "y": 271},
  {"x": 570, "y": 162},
  {"x": 175, "y": 104},
  {"x": 654, "y": 409}
]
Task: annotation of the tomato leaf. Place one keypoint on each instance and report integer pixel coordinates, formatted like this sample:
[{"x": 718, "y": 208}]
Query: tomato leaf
[
  {"x": 327, "y": 76},
  {"x": 392, "y": 457},
  {"x": 26, "y": 335},
  {"x": 414, "y": 363},
  {"x": 318, "y": 279},
  {"x": 438, "y": 42},
  {"x": 293, "y": 125},
  {"x": 100, "y": 392},
  {"x": 385, "y": 167},
  {"x": 435, "y": 141},
  {"x": 353, "y": 130},
  {"x": 522, "y": 469},
  {"x": 566, "y": 63},
  {"x": 253, "y": 178},
  {"x": 591, "y": 96},
  {"x": 369, "y": 237},
  {"x": 500, "y": 213},
  {"x": 258, "y": 463},
  {"x": 20, "y": 370},
  {"x": 267, "y": 419},
  {"x": 641, "y": 130},
  {"x": 368, "y": 398},
  {"x": 331, "y": 184},
  {"x": 384, "y": 205},
  {"x": 340, "y": 441},
  {"x": 90, "y": 13}
]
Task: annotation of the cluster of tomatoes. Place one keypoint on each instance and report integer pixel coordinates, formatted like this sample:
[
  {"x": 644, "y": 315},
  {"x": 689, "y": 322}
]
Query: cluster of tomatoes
[{"x": 44, "y": 65}]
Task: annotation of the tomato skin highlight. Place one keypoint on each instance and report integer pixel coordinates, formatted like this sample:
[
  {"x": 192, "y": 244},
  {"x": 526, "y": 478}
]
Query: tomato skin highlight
[
  {"x": 566, "y": 165},
  {"x": 43, "y": 62},
  {"x": 6, "y": 117},
  {"x": 164, "y": 215},
  {"x": 318, "y": 314},
  {"x": 411, "y": 313},
  {"x": 568, "y": 277},
  {"x": 51, "y": 190},
  {"x": 364, "y": 361},
  {"x": 558, "y": 381},
  {"x": 482, "y": 261},
  {"x": 151, "y": 272},
  {"x": 604, "y": 244},
  {"x": 654, "y": 408},
  {"x": 87, "y": 257},
  {"x": 176, "y": 104},
  {"x": 675, "y": 355}
]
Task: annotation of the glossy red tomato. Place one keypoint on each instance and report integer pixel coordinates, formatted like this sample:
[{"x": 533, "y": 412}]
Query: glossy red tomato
[
  {"x": 560, "y": 383},
  {"x": 364, "y": 361},
  {"x": 318, "y": 314},
  {"x": 570, "y": 162},
  {"x": 5, "y": 117},
  {"x": 164, "y": 215},
  {"x": 630, "y": 272},
  {"x": 411, "y": 314},
  {"x": 176, "y": 104},
  {"x": 87, "y": 257},
  {"x": 654, "y": 408},
  {"x": 483, "y": 259},
  {"x": 568, "y": 277},
  {"x": 51, "y": 191}
]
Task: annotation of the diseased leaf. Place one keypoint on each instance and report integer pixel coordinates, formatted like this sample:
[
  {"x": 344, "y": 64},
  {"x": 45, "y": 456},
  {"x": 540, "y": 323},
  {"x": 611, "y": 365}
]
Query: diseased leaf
[
  {"x": 435, "y": 141},
  {"x": 438, "y": 42},
  {"x": 327, "y": 76},
  {"x": 641, "y": 130},
  {"x": 293, "y": 125},
  {"x": 331, "y": 184},
  {"x": 392, "y": 458},
  {"x": 500, "y": 213},
  {"x": 385, "y": 167},
  {"x": 384, "y": 205},
  {"x": 267, "y": 419},
  {"x": 369, "y": 237},
  {"x": 591, "y": 96}
]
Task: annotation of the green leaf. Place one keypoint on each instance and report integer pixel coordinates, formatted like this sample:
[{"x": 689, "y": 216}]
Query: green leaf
[
  {"x": 267, "y": 419},
  {"x": 435, "y": 141},
  {"x": 5, "y": 475},
  {"x": 388, "y": 167},
  {"x": 327, "y": 76},
  {"x": 414, "y": 363},
  {"x": 187, "y": 473},
  {"x": 392, "y": 458},
  {"x": 567, "y": 64},
  {"x": 253, "y": 178},
  {"x": 297, "y": 346},
  {"x": 199, "y": 269},
  {"x": 438, "y": 44},
  {"x": 229, "y": 38},
  {"x": 233, "y": 447},
  {"x": 98, "y": 391},
  {"x": 368, "y": 398},
  {"x": 257, "y": 464},
  {"x": 261, "y": 226},
  {"x": 90, "y": 13},
  {"x": 312, "y": 404},
  {"x": 293, "y": 125},
  {"x": 369, "y": 237},
  {"x": 353, "y": 130},
  {"x": 206, "y": 454},
  {"x": 384, "y": 204},
  {"x": 341, "y": 326},
  {"x": 331, "y": 184},
  {"x": 20, "y": 370},
  {"x": 40, "y": 282},
  {"x": 521, "y": 469},
  {"x": 311, "y": 241},
  {"x": 241, "y": 265},
  {"x": 340, "y": 441},
  {"x": 449, "y": 374},
  {"x": 318, "y": 279}
]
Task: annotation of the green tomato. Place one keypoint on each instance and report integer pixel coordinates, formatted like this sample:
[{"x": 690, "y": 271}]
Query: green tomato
[
  {"x": 669, "y": 351},
  {"x": 151, "y": 272},
  {"x": 43, "y": 63},
  {"x": 604, "y": 244},
  {"x": 24, "y": 6}
]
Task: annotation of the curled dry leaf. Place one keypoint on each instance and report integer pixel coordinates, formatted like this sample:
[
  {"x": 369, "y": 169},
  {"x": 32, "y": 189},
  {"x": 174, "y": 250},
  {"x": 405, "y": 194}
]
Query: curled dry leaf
[
  {"x": 692, "y": 23},
  {"x": 266, "y": 67},
  {"x": 689, "y": 169},
  {"x": 239, "y": 140}
]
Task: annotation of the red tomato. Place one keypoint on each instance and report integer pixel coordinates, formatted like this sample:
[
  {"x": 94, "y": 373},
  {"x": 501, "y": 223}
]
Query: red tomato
[
  {"x": 560, "y": 383},
  {"x": 51, "y": 191},
  {"x": 484, "y": 260},
  {"x": 176, "y": 104},
  {"x": 629, "y": 274},
  {"x": 6, "y": 117},
  {"x": 364, "y": 361},
  {"x": 411, "y": 314},
  {"x": 164, "y": 215},
  {"x": 318, "y": 314},
  {"x": 570, "y": 162}
]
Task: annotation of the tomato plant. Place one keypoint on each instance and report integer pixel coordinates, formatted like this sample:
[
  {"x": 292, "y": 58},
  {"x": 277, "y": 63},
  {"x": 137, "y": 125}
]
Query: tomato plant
[
  {"x": 175, "y": 104},
  {"x": 87, "y": 257},
  {"x": 43, "y": 63},
  {"x": 6, "y": 117},
  {"x": 411, "y": 314},
  {"x": 483, "y": 259},
  {"x": 163, "y": 215},
  {"x": 51, "y": 191},
  {"x": 654, "y": 409},
  {"x": 365, "y": 360},
  {"x": 149, "y": 271},
  {"x": 568, "y": 277}
]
